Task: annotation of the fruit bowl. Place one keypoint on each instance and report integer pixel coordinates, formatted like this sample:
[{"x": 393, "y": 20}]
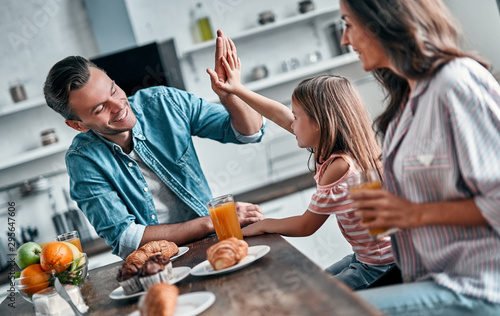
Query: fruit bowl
[{"x": 74, "y": 273}]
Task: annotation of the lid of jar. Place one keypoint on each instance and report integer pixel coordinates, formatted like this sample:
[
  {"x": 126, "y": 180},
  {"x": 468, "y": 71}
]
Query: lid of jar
[{"x": 47, "y": 131}]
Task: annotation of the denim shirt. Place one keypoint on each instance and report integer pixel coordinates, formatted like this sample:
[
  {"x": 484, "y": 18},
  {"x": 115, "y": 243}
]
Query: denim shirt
[{"x": 108, "y": 185}]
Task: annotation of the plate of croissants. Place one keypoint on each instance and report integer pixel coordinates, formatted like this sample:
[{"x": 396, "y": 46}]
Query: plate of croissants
[
  {"x": 229, "y": 255},
  {"x": 164, "y": 299}
]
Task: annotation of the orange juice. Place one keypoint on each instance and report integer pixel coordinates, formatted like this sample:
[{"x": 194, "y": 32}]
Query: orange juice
[
  {"x": 374, "y": 185},
  {"x": 225, "y": 220},
  {"x": 76, "y": 242},
  {"x": 72, "y": 237}
]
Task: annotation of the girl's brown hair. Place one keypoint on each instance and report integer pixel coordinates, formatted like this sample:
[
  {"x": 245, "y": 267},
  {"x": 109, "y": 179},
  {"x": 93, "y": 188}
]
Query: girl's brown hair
[
  {"x": 344, "y": 124},
  {"x": 419, "y": 37}
]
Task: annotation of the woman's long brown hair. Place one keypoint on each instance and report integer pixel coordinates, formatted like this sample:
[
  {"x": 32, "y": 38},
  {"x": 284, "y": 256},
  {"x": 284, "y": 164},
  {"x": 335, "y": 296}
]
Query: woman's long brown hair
[
  {"x": 344, "y": 124},
  {"x": 419, "y": 36}
]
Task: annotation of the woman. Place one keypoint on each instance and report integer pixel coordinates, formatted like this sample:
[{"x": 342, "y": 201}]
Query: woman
[{"x": 441, "y": 165}]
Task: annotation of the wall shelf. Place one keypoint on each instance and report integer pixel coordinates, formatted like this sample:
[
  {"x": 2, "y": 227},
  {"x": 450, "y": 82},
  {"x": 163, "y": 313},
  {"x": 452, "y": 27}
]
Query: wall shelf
[
  {"x": 21, "y": 106},
  {"x": 302, "y": 72},
  {"x": 33, "y": 154},
  {"x": 265, "y": 28},
  {"x": 298, "y": 73}
]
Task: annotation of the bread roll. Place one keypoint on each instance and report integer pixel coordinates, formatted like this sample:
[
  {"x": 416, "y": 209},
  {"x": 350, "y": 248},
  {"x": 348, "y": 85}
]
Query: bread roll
[
  {"x": 163, "y": 247},
  {"x": 227, "y": 253},
  {"x": 160, "y": 300}
]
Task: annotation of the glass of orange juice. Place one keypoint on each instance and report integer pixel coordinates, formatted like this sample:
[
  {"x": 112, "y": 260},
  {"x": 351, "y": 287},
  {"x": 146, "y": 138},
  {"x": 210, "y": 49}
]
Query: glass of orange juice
[
  {"x": 369, "y": 180},
  {"x": 224, "y": 217},
  {"x": 72, "y": 237}
]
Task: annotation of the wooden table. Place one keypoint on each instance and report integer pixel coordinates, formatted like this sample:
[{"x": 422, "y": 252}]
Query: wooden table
[{"x": 283, "y": 282}]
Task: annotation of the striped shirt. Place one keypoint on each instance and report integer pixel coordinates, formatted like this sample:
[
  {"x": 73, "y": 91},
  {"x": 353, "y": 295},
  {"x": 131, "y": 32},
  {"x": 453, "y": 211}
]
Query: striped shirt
[
  {"x": 445, "y": 146},
  {"x": 333, "y": 199}
]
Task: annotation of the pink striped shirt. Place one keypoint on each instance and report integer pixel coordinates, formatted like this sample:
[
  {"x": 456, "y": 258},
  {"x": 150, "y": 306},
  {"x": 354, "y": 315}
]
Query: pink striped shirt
[
  {"x": 333, "y": 199},
  {"x": 445, "y": 146}
]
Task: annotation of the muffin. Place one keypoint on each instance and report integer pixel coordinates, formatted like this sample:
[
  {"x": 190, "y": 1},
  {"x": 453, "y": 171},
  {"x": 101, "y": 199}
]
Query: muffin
[
  {"x": 128, "y": 277},
  {"x": 156, "y": 269}
]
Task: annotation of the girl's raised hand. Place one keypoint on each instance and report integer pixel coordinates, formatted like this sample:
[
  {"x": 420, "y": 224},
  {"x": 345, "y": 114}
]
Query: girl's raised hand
[{"x": 232, "y": 66}]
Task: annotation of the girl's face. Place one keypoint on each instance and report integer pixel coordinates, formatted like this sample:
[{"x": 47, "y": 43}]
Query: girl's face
[
  {"x": 363, "y": 40},
  {"x": 306, "y": 130}
]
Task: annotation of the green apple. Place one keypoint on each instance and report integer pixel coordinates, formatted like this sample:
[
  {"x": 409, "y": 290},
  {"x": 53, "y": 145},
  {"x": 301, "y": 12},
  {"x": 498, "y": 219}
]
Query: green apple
[{"x": 28, "y": 254}]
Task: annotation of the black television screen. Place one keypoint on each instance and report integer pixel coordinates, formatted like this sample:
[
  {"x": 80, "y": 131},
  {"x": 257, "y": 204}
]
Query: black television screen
[{"x": 144, "y": 66}]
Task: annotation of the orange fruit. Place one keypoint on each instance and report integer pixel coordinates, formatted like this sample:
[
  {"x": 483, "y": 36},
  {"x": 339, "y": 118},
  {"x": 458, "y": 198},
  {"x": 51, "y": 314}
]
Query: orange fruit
[
  {"x": 56, "y": 256},
  {"x": 34, "y": 279}
]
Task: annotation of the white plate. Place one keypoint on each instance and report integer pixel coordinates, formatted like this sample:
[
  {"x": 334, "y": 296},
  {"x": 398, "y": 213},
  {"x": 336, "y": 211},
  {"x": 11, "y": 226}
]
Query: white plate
[
  {"x": 182, "y": 250},
  {"x": 254, "y": 253},
  {"x": 190, "y": 304},
  {"x": 179, "y": 273}
]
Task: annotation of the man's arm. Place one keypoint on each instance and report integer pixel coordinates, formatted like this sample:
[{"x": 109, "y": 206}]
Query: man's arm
[
  {"x": 183, "y": 233},
  {"x": 244, "y": 119}
]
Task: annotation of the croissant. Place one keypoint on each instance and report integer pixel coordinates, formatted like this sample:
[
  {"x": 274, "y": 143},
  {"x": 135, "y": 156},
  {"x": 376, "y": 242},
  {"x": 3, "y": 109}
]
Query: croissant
[
  {"x": 160, "y": 300},
  {"x": 227, "y": 253},
  {"x": 166, "y": 248}
]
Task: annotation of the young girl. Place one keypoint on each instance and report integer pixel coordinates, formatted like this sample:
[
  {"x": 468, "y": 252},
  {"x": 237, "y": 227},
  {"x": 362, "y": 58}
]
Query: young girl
[{"x": 329, "y": 117}]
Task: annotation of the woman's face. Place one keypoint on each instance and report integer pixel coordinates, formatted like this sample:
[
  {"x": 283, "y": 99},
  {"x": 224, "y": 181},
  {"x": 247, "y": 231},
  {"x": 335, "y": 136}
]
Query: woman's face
[{"x": 363, "y": 40}]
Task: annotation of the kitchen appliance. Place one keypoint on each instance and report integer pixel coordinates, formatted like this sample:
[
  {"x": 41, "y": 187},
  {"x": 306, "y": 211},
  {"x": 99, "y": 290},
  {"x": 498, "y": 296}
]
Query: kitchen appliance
[
  {"x": 57, "y": 218},
  {"x": 336, "y": 30},
  {"x": 143, "y": 66},
  {"x": 74, "y": 219}
]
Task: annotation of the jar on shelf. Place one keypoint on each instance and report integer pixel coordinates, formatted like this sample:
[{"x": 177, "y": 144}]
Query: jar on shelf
[{"x": 49, "y": 137}]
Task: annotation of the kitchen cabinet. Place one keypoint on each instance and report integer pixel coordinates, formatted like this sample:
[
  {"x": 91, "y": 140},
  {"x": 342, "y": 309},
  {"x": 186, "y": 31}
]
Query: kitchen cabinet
[{"x": 324, "y": 247}]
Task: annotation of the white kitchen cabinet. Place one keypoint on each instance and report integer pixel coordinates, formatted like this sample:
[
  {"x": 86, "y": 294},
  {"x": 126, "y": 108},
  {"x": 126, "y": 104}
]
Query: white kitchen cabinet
[{"x": 324, "y": 247}]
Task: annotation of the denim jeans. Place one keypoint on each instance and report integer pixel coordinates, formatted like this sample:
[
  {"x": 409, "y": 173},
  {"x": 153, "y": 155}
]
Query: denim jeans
[
  {"x": 426, "y": 298},
  {"x": 355, "y": 274}
]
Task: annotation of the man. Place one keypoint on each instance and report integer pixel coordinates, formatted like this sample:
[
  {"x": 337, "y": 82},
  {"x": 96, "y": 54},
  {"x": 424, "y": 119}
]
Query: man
[{"x": 133, "y": 168}]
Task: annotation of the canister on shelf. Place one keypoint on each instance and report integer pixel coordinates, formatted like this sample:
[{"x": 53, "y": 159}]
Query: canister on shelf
[
  {"x": 49, "y": 137},
  {"x": 17, "y": 92}
]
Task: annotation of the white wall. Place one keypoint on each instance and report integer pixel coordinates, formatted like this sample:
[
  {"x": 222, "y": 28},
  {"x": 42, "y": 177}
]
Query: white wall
[{"x": 480, "y": 21}]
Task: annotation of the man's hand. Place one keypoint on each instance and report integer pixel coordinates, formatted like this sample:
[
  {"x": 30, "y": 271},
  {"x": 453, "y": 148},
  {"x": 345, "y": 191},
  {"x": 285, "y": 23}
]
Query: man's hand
[
  {"x": 248, "y": 213},
  {"x": 221, "y": 47},
  {"x": 232, "y": 66}
]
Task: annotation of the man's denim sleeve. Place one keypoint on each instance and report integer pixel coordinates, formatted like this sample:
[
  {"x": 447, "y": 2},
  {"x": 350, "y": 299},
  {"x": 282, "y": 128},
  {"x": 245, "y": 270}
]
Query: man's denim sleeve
[{"x": 130, "y": 239}]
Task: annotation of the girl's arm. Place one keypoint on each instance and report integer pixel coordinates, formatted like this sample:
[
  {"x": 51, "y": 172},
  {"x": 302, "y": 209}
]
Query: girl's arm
[
  {"x": 295, "y": 226},
  {"x": 275, "y": 111},
  {"x": 307, "y": 223}
]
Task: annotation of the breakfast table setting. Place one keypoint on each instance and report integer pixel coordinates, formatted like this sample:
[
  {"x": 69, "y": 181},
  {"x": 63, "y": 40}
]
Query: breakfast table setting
[{"x": 273, "y": 279}]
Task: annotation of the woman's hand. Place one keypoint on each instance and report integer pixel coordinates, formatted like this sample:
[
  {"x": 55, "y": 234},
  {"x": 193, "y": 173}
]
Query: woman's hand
[{"x": 381, "y": 209}]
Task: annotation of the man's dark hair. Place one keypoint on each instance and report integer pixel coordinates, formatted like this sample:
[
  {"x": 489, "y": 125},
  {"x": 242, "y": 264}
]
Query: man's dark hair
[{"x": 71, "y": 73}]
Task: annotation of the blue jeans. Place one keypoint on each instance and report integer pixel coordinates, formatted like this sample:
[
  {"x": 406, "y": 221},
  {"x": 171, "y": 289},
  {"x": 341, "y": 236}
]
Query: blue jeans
[
  {"x": 426, "y": 298},
  {"x": 355, "y": 274}
]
